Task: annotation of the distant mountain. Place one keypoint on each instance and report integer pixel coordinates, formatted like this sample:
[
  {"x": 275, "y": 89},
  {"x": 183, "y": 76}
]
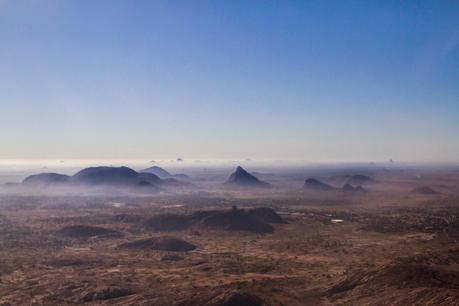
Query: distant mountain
[
  {"x": 244, "y": 179},
  {"x": 162, "y": 173},
  {"x": 46, "y": 179},
  {"x": 359, "y": 179},
  {"x": 106, "y": 176},
  {"x": 350, "y": 188},
  {"x": 98, "y": 176},
  {"x": 157, "y": 171},
  {"x": 314, "y": 184}
]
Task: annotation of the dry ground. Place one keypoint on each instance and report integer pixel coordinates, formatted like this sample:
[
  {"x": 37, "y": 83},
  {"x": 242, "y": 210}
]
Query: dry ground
[{"x": 392, "y": 248}]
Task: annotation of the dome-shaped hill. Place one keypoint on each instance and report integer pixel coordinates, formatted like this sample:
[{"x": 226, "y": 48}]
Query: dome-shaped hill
[
  {"x": 256, "y": 220},
  {"x": 106, "y": 176},
  {"x": 46, "y": 179},
  {"x": 237, "y": 220},
  {"x": 162, "y": 173},
  {"x": 160, "y": 244},
  {"x": 314, "y": 184},
  {"x": 242, "y": 178},
  {"x": 100, "y": 176},
  {"x": 158, "y": 171}
]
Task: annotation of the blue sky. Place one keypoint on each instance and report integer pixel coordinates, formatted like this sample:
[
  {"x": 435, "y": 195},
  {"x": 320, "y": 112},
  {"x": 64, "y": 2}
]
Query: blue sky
[{"x": 273, "y": 80}]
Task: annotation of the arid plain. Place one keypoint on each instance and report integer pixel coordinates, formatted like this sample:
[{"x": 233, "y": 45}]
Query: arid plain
[{"x": 202, "y": 241}]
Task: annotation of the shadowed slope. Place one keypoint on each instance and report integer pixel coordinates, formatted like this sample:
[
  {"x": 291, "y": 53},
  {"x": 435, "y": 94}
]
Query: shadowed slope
[
  {"x": 256, "y": 220},
  {"x": 237, "y": 220}
]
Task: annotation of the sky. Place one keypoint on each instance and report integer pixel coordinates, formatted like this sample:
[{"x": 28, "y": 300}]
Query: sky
[{"x": 308, "y": 81}]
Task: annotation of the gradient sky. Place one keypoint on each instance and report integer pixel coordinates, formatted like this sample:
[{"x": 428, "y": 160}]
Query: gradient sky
[{"x": 288, "y": 80}]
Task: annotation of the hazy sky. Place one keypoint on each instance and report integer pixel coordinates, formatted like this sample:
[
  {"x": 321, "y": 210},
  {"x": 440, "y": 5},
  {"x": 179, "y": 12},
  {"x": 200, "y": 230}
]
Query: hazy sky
[{"x": 290, "y": 80}]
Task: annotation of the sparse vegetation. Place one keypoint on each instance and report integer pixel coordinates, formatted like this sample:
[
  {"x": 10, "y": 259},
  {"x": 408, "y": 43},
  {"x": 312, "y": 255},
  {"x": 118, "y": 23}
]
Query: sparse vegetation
[{"x": 268, "y": 248}]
